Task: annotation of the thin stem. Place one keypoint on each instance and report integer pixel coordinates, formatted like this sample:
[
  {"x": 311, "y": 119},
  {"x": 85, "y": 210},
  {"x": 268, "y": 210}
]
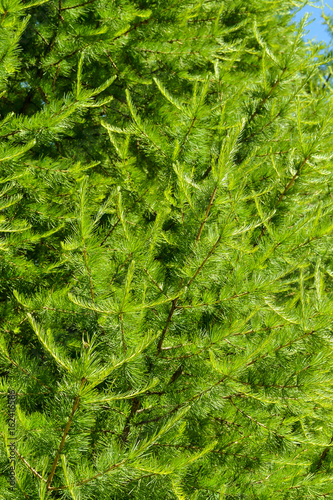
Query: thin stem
[
  {"x": 29, "y": 466},
  {"x": 206, "y": 214},
  {"x": 171, "y": 312},
  {"x": 63, "y": 439}
]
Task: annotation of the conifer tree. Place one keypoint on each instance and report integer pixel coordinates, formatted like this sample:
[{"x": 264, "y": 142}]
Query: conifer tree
[{"x": 166, "y": 234}]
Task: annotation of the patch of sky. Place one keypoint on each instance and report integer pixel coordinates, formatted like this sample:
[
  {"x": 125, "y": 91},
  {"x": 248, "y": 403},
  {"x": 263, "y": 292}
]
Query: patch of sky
[{"x": 317, "y": 30}]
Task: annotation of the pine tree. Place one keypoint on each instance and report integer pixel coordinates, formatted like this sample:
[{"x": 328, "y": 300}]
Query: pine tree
[{"x": 166, "y": 234}]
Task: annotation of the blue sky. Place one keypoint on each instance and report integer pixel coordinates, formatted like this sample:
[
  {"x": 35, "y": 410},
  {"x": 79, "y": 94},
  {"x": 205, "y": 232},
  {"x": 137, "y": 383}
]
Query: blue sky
[{"x": 317, "y": 29}]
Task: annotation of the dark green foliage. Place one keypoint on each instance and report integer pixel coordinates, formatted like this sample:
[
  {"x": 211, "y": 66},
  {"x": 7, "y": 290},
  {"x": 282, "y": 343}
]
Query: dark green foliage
[{"x": 166, "y": 234}]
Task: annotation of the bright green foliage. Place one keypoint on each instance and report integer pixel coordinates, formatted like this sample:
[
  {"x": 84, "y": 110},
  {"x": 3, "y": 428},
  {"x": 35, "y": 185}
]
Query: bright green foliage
[{"x": 166, "y": 243}]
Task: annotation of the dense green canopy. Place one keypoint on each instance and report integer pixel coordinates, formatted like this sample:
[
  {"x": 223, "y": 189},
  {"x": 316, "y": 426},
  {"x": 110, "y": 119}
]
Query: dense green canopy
[{"x": 166, "y": 284}]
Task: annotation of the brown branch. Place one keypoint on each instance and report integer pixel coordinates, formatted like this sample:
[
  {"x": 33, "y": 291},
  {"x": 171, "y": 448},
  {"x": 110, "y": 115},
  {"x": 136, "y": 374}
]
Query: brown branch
[
  {"x": 41, "y": 36},
  {"x": 169, "y": 318},
  {"x": 131, "y": 29},
  {"x": 177, "y": 407},
  {"x": 59, "y": 11},
  {"x": 188, "y": 133},
  {"x": 63, "y": 439},
  {"x": 323, "y": 455},
  {"x": 206, "y": 173},
  {"x": 28, "y": 373},
  {"x": 134, "y": 408},
  {"x": 282, "y": 195},
  {"x": 61, "y": 310},
  {"x": 327, "y": 80},
  {"x": 4, "y": 15},
  {"x": 84, "y": 481},
  {"x": 175, "y": 301},
  {"x": 206, "y": 214},
  {"x": 29, "y": 466},
  {"x": 110, "y": 231},
  {"x": 263, "y": 102},
  {"x": 11, "y": 133},
  {"x": 68, "y": 55},
  {"x": 263, "y": 127},
  {"x": 204, "y": 261},
  {"x": 291, "y": 182},
  {"x": 176, "y": 375},
  {"x": 281, "y": 347},
  {"x": 156, "y": 419},
  {"x": 116, "y": 223},
  {"x": 156, "y": 284},
  {"x": 120, "y": 267},
  {"x": 112, "y": 61},
  {"x": 251, "y": 418}
]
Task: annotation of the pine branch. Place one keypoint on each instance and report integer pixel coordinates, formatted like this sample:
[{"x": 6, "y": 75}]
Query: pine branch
[
  {"x": 134, "y": 408},
  {"x": 287, "y": 344},
  {"x": 63, "y": 439},
  {"x": 156, "y": 284},
  {"x": 175, "y": 301},
  {"x": 85, "y": 481},
  {"x": 284, "y": 192},
  {"x": 35, "y": 473},
  {"x": 323, "y": 456},
  {"x": 168, "y": 321},
  {"x": 248, "y": 314},
  {"x": 207, "y": 213},
  {"x": 204, "y": 261},
  {"x": 28, "y": 373},
  {"x": 264, "y": 100}
]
